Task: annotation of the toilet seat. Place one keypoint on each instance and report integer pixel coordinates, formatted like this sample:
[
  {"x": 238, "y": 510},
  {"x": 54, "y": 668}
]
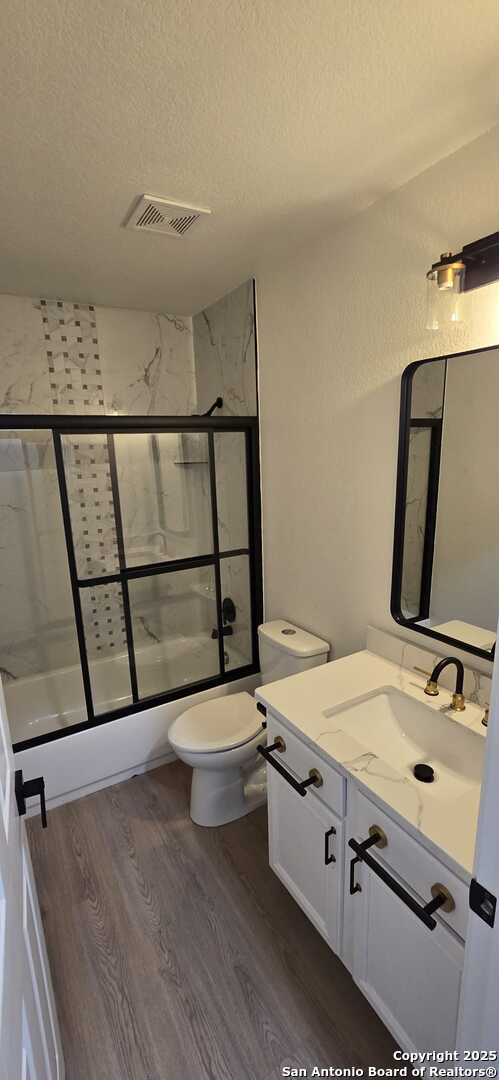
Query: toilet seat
[{"x": 215, "y": 725}]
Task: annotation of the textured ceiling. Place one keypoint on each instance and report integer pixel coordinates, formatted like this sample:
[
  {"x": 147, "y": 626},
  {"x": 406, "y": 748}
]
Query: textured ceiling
[{"x": 283, "y": 117}]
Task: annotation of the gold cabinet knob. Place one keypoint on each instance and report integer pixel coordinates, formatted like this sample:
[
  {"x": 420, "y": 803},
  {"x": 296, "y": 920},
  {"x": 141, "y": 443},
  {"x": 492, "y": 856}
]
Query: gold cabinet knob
[
  {"x": 441, "y": 890},
  {"x": 382, "y": 837}
]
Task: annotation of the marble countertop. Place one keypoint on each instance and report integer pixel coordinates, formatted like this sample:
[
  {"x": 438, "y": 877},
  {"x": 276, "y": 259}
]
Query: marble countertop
[{"x": 300, "y": 702}]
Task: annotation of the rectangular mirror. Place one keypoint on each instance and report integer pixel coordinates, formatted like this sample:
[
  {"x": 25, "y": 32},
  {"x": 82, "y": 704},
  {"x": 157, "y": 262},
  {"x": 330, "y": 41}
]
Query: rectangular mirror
[{"x": 446, "y": 548}]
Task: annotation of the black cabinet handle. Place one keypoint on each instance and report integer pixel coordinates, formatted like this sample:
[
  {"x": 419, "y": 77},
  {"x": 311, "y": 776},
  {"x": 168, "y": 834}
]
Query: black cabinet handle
[
  {"x": 328, "y": 855},
  {"x": 263, "y": 710},
  {"x": 298, "y": 785},
  {"x": 424, "y": 913},
  {"x": 24, "y": 789}
]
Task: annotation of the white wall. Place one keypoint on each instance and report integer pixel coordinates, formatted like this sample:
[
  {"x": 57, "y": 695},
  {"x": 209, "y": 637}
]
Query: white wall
[{"x": 337, "y": 324}]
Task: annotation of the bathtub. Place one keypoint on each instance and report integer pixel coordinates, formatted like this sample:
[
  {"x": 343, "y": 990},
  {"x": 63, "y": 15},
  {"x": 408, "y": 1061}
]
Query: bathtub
[{"x": 87, "y": 760}]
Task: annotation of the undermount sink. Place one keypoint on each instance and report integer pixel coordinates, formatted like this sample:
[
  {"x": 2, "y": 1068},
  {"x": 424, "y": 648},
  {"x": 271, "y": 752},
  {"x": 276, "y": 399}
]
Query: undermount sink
[{"x": 404, "y": 732}]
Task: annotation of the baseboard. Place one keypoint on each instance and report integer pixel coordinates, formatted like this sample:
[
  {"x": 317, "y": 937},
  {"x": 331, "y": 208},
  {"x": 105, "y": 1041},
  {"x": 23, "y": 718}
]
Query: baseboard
[{"x": 106, "y": 781}]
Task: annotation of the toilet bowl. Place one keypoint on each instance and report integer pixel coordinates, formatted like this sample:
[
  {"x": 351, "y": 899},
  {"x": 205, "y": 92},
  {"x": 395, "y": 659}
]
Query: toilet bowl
[{"x": 219, "y": 737}]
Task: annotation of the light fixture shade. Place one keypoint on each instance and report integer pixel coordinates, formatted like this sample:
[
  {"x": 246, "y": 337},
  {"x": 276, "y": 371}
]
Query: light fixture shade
[{"x": 444, "y": 285}]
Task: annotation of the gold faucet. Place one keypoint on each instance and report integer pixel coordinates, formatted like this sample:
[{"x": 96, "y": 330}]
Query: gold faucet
[{"x": 458, "y": 701}]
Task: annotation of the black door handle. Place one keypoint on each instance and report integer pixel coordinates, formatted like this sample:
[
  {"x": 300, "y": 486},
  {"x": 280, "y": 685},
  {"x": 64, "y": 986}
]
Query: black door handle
[
  {"x": 372, "y": 839},
  {"x": 423, "y": 912},
  {"x": 328, "y": 855},
  {"x": 300, "y": 786},
  {"x": 24, "y": 789}
]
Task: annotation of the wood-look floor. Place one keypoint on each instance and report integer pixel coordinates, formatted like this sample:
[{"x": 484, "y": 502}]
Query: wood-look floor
[{"x": 177, "y": 954}]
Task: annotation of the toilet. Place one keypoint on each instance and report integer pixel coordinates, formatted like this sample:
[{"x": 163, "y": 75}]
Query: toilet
[{"x": 219, "y": 737}]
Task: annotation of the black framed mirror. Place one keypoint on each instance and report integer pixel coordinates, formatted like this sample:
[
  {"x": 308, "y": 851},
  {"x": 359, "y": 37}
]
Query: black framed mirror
[{"x": 445, "y": 580}]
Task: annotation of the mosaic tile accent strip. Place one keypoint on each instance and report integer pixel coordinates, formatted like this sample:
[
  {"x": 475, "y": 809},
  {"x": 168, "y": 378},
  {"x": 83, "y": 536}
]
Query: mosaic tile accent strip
[
  {"x": 93, "y": 525},
  {"x": 73, "y": 357},
  {"x": 104, "y": 620},
  {"x": 90, "y": 496}
]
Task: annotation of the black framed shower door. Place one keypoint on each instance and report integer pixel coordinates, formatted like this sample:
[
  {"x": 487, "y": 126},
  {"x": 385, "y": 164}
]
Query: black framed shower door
[{"x": 131, "y": 574}]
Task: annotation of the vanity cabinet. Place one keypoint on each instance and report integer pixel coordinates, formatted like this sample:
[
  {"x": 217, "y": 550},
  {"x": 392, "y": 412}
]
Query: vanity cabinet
[
  {"x": 306, "y": 838},
  {"x": 410, "y": 971},
  {"x": 411, "y": 975}
]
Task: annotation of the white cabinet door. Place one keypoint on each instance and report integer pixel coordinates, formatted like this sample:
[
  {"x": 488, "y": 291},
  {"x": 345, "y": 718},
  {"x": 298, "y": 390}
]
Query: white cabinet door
[
  {"x": 411, "y": 975},
  {"x": 306, "y": 852},
  {"x": 29, "y": 1037}
]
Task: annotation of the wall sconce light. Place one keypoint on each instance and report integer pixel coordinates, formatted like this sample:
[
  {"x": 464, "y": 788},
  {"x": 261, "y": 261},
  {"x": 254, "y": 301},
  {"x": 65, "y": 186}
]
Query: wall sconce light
[
  {"x": 476, "y": 265},
  {"x": 444, "y": 284}
]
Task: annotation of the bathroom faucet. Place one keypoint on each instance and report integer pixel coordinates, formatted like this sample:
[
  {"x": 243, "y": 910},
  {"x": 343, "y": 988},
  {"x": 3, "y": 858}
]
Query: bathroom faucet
[{"x": 431, "y": 688}]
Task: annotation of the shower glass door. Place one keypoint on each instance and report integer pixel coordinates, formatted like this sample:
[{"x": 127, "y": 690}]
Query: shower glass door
[{"x": 161, "y": 521}]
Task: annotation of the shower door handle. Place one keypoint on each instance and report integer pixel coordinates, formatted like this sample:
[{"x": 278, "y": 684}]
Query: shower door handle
[
  {"x": 227, "y": 631},
  {"x": 25, "y": 789}
]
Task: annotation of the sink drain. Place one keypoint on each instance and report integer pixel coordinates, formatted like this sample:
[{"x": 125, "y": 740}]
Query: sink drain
[{"x": 424, "y": 773}]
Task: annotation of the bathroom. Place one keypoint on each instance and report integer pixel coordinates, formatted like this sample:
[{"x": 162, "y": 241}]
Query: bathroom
[{"x": 247, "y": 820}]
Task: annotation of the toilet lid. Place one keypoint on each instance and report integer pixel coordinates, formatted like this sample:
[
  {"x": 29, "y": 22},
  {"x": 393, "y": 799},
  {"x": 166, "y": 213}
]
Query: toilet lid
[{"x": 219, "y": 724}]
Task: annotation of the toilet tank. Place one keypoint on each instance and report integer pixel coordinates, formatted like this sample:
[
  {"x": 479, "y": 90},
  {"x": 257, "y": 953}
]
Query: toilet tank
[{"x": 286, "y": 650}]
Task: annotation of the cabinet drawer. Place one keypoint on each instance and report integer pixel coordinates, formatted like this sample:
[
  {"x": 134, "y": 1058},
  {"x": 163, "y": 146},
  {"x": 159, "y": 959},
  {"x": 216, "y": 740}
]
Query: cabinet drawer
[
  {"x": 417, "y": 868},
  {"x": 299, "y": 759}
]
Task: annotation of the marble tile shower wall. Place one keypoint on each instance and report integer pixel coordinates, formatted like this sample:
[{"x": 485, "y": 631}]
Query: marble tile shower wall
[
  {"x": 225, "y": 357},
  {"x": 61, "y": 357},
  {"x": 225, "y": 353}
]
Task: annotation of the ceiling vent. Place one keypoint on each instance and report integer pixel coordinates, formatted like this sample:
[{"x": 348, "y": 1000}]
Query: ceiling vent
[{"x": 154, "y": 214}]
